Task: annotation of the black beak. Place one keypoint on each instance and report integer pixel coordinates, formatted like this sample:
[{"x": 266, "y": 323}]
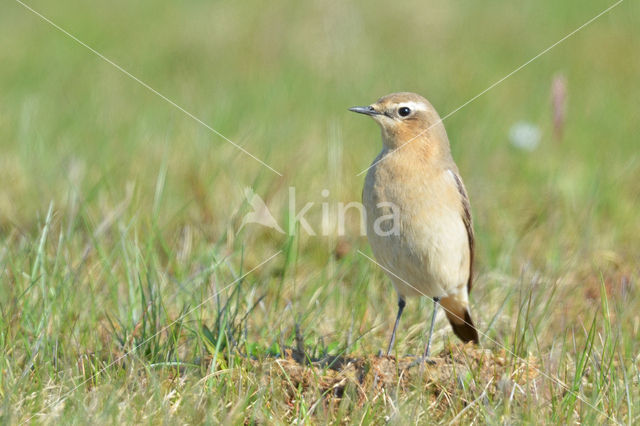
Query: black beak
[{"x": 366, "y": 110}]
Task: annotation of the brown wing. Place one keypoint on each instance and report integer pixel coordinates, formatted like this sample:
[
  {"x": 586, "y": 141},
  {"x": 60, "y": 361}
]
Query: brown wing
[{"x": 466, "y": 218}]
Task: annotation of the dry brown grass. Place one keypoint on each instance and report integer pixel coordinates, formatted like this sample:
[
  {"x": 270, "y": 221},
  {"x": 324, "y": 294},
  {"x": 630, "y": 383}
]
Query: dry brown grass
[{"x": 481, "y": 373}]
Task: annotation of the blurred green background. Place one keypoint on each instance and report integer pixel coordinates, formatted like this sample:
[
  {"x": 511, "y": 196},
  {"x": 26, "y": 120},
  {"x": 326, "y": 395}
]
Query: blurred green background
[
  {"x": 278, "y": 78},
  {"x": 137, "y": 185}
]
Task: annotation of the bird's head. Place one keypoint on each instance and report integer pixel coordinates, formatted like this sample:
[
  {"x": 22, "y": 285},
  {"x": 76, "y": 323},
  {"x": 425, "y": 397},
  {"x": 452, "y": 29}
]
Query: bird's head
[{"x": 404, "y": 117}]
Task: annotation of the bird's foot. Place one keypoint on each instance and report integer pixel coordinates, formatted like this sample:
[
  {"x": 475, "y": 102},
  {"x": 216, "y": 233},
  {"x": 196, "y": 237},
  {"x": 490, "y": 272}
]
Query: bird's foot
[{"x": 421, "y": 360}]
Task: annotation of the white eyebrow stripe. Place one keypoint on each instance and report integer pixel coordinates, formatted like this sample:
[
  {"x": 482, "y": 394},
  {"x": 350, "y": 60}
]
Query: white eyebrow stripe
[{"x": 414, "y": 106}]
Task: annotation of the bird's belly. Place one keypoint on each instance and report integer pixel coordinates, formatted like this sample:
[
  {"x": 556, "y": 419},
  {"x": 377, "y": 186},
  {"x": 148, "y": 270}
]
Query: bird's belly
[{"x": 422, "y": 243}]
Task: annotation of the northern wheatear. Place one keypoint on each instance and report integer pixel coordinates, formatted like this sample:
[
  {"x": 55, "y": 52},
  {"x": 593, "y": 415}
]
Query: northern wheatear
[{"x": 415, "y": 182}]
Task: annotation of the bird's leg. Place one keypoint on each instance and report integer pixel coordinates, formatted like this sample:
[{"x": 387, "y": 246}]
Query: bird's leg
[
  {"x": 401, "y": 304},
  {"x": 427, "y": 348}
]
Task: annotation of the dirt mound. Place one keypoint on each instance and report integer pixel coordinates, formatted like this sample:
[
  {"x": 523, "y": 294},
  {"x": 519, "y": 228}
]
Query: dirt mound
[{"x": 458, "y": 366}]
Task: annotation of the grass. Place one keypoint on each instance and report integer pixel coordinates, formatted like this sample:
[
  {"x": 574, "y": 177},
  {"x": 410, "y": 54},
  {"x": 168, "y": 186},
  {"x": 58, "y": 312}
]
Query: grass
[{"x": 129, "y": 292}]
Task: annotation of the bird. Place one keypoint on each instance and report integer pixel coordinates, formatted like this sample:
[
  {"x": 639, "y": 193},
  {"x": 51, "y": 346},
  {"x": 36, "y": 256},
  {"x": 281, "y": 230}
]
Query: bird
[{"x": 418, "y": 214}]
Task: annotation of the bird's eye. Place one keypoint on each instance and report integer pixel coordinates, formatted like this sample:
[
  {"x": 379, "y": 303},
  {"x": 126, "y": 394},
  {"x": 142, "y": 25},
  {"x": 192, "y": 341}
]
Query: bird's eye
[{"x": 404, "y": 111}]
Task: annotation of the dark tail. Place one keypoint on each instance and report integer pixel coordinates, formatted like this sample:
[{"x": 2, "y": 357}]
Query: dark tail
[{"x": 460, "y": 320}]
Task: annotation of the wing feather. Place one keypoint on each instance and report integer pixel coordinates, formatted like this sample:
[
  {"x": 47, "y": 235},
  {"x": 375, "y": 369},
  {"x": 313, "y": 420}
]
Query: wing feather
[{"x": 468, "y": 224}]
